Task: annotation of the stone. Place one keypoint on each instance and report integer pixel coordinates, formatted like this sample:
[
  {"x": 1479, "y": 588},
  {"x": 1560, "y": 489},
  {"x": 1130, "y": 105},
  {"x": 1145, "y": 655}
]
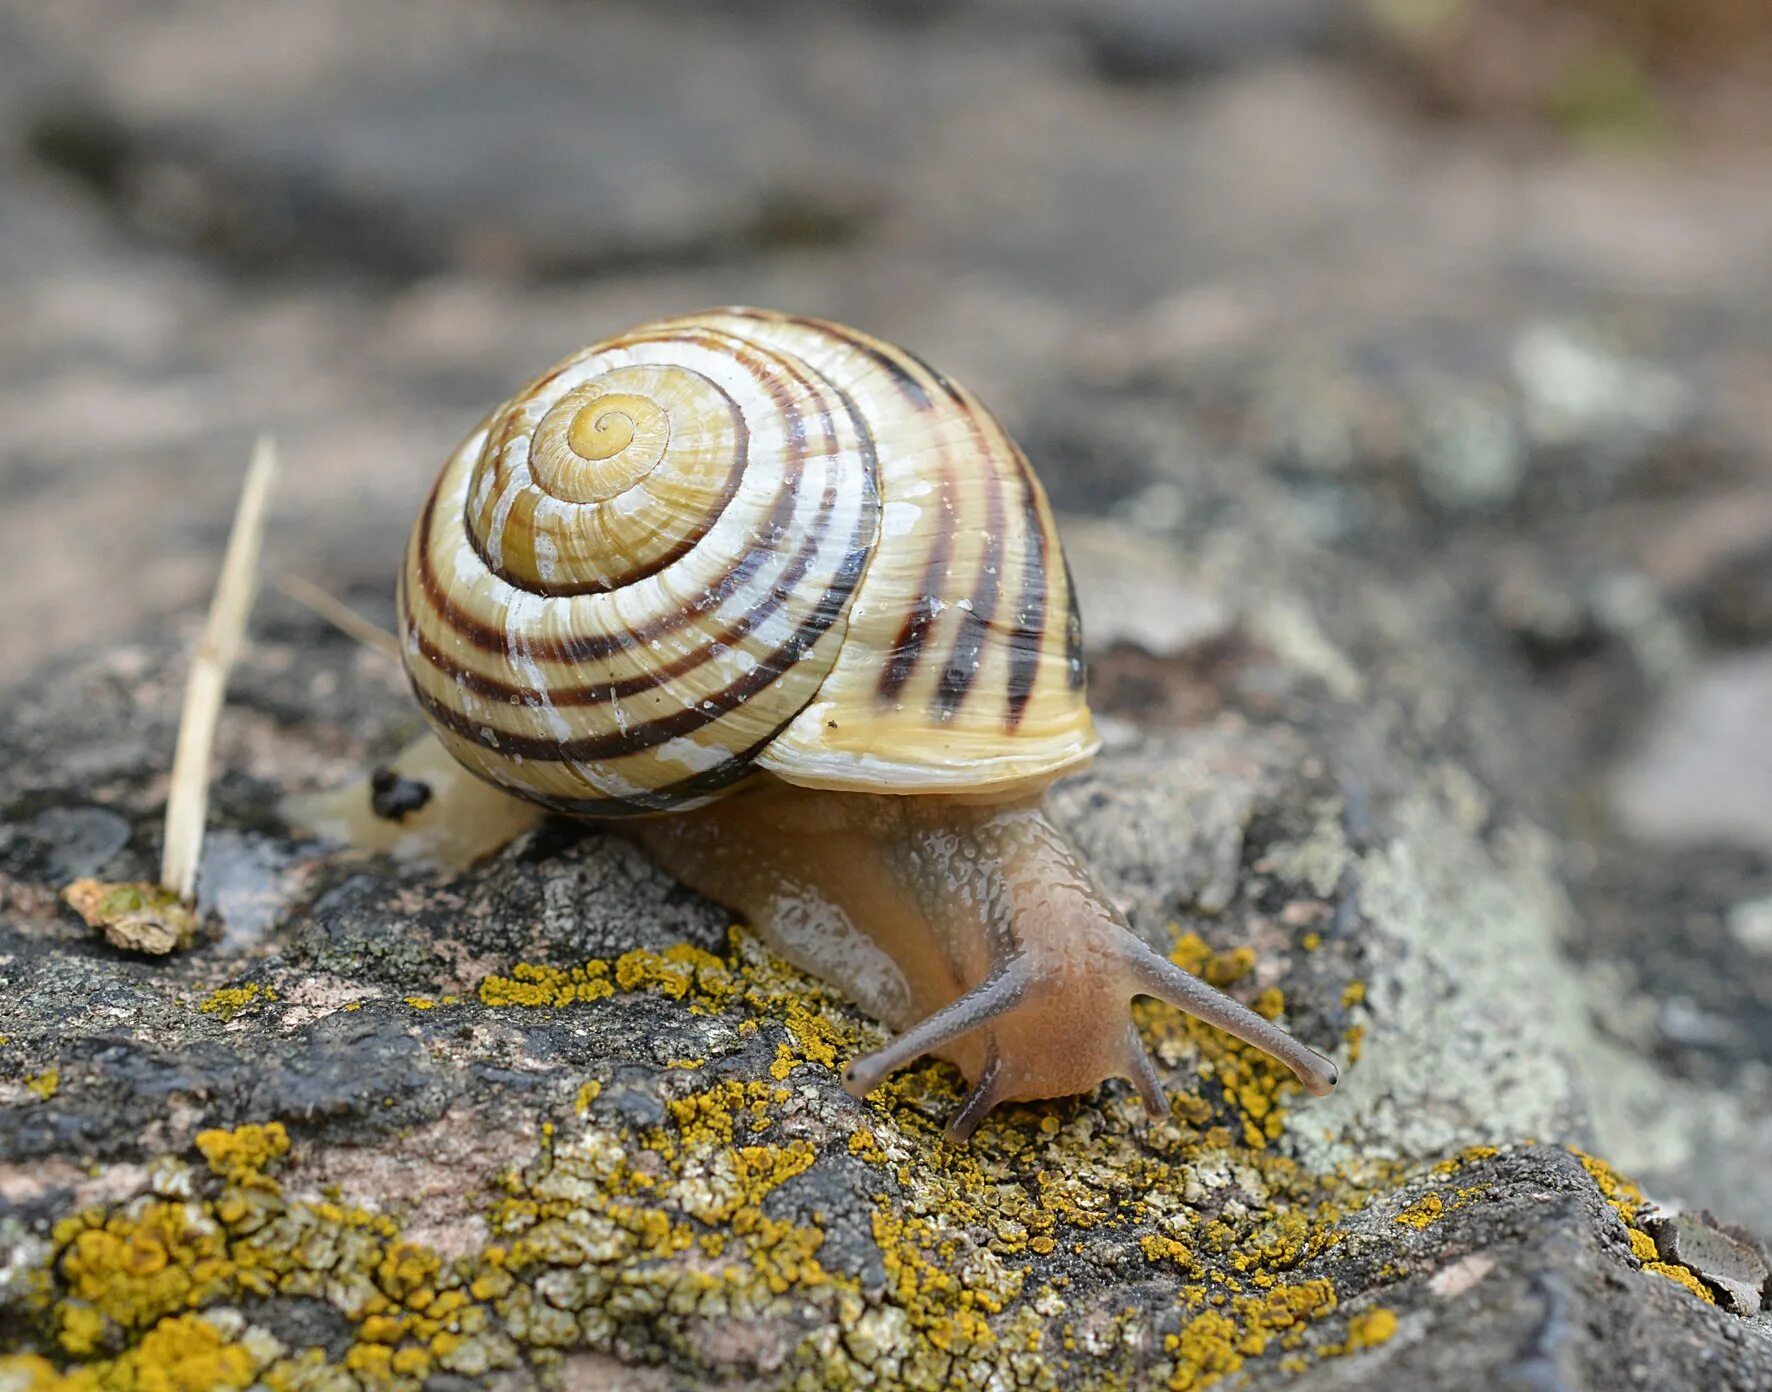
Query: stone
[
  {"x": 1156, "y": 40},
  {"x": 1734, "y": 601},
  {"x": 534, "y": 175},
  {"x": 1702, "y": 771},
  {"x": 442, "y": 1055},
  {"x": 1731, "y": 1261}
]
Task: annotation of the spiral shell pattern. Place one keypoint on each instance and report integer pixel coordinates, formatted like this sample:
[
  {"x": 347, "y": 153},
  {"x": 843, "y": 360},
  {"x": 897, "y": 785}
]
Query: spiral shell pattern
[{"x": 742, "y": 541}]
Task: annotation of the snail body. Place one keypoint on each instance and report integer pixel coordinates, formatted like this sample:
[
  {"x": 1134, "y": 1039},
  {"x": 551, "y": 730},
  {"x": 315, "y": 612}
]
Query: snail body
[{"x": 789, "y": 605}]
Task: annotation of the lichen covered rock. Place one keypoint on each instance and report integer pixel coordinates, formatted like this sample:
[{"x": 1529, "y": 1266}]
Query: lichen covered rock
[{"x": 552, "y": 1117}]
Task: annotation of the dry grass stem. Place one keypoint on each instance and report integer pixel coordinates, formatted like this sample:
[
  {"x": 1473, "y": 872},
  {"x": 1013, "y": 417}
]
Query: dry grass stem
[
  {"x": 188, "y": 799},
  {"x": 339, "y": 614}
]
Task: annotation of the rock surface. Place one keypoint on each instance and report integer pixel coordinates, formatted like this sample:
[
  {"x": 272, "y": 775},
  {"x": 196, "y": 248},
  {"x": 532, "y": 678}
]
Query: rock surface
[
  {"x": 1415, "y": 487},
  {"x": 552, "y": 1114}
]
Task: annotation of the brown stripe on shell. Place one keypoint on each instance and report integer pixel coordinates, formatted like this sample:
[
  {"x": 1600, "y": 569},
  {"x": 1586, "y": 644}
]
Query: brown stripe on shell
[
  {"x": 955, "y": 682},
  {"x": 907, "y": 647},
  {"x": 1030, "y": 614},
  {"x": 941, "y": 379},
  {"x": 1027, "y": 640},
  {"x": 592, "y": 647},
  {"x": 880, "y": 354},
  {"x": 781, "y": 591},
  {"x": 913, "y": 634},
  {"x": 646, "y": 802},
  {"x": 913, "y": 390},
  {"x": 1075, "y": 671},
  {"x": 736, "y": 767},
  {"x": 506, "y": 693},
  {"x": 657, "y": 731},
  {"x": 651, "y": 733},
  {"x": 964, "y": 659}
]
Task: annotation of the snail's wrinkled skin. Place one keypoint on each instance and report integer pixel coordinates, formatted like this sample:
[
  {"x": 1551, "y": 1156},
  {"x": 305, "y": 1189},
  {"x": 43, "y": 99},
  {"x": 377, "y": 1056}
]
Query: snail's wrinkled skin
[{"x": 972, "y": 929}]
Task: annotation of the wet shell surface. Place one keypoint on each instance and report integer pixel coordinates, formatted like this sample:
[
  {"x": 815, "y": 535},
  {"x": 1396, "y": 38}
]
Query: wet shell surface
[{"x": 742, "y": 541}]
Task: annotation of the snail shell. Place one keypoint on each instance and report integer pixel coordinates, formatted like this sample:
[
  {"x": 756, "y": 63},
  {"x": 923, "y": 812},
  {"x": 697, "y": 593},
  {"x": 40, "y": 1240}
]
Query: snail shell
[{"x": 743, "y": 541}]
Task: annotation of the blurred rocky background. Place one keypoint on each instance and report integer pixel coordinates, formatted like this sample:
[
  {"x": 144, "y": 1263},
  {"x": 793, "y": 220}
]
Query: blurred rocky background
[{"x": 1403, "y": 373}]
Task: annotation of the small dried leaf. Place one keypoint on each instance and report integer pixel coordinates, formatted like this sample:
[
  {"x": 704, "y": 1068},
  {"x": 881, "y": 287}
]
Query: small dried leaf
[{"x": 136, "y": 917}]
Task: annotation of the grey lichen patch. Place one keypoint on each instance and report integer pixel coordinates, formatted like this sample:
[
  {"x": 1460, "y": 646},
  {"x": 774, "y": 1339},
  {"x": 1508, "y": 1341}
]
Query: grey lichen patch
[
  {"x": 1316, "y": 861},
  {"x": 1164, "y": 820},
  {"x": 1468, "y": 1006},
  {"x": 1296, "y": 637}
]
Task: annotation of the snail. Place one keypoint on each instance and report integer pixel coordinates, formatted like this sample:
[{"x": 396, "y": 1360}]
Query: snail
[{"x": 790, "y": 605}]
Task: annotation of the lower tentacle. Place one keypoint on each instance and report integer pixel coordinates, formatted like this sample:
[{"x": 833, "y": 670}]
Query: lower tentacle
[
  {"x": 1144, "y": 1076},
  {"x": 995, "y": 995},
  {"x": 978, "y": 1103}
]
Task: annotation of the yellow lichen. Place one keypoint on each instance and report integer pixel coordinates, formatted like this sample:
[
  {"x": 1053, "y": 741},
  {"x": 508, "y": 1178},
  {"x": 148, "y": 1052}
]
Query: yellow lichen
[
  {"x": 133, "y": 1271},
  {"x": 182, "y": 1353},
  {"x": 532, "y": 984},
  {"x": 29, "y": 1372},
  {"x": 1619, "y": 1192},
  {"x": 135, "y": 1266},
  {"x": 1470, "y": 1155},
  {"x": 1680, "y": 1276},
  {"x": 1627, "y": 1200},
  {"x": 674, "y": 972},
  {"x": 864, "y": 1145},
  {"x": 1205, "y": 1350},
  {"x": 1228, "y": 968},
  {"x": 1431, "y": 1207},
  {"x": 1370, "y": 1328},
  {"x": 228, "y": 1001},
  {"x": 44, "y": 1084},
  {"x": 615, "y": 1227},
  {"x": 240, "y": 1154}
]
